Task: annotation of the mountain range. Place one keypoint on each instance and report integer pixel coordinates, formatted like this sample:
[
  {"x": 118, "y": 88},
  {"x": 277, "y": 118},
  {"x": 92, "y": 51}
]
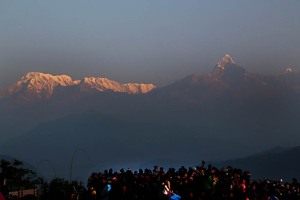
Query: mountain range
[
  {"x": 36, "y": 85},
  {"x": 225, "y": 114}
]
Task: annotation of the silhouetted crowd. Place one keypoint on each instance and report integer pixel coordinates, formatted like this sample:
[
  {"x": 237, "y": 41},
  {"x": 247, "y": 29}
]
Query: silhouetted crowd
[{"x": 199, "y": 183}]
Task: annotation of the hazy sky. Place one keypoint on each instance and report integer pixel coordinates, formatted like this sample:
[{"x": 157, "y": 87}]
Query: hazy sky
[{"x": 153, "y": 41}]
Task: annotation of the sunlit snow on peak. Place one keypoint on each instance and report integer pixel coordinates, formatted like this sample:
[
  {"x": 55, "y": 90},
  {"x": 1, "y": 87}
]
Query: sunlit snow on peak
[{"x": 225, "y": 60}]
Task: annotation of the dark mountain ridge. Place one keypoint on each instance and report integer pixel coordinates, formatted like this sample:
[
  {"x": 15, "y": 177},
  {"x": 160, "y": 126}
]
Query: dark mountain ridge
[{"x": 276, "y": 163}]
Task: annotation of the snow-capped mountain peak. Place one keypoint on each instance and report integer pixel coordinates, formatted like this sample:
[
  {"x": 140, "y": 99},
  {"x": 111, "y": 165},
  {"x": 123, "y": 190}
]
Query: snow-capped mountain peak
[
  {"x": 36, "y": 78},
  {"x": 289, "y": 70},
  {"x": 226, "y": 66},
  {"x": 224, "y": 61},
  {"x": 38, "y": 85}
]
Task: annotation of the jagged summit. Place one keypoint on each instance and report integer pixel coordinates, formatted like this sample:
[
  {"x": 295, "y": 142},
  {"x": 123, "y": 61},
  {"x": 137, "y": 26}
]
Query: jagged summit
[
  {"x": 224, "y": 61},
  {"x": 289, "y": 70},
  {"x": 226, "y": 68}
]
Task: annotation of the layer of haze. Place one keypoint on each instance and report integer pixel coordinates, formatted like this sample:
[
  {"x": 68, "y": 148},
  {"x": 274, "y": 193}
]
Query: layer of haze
[{"x": 146, "y": 41}]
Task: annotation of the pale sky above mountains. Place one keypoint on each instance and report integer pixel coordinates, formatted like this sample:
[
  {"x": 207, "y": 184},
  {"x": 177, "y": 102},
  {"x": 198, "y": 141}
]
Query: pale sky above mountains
[{"x": 146, "y": 41}]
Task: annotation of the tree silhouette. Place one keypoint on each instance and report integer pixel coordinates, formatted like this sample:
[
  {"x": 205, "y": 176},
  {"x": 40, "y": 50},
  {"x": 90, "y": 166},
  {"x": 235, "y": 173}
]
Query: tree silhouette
[{"x": 14, "y": 177}]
